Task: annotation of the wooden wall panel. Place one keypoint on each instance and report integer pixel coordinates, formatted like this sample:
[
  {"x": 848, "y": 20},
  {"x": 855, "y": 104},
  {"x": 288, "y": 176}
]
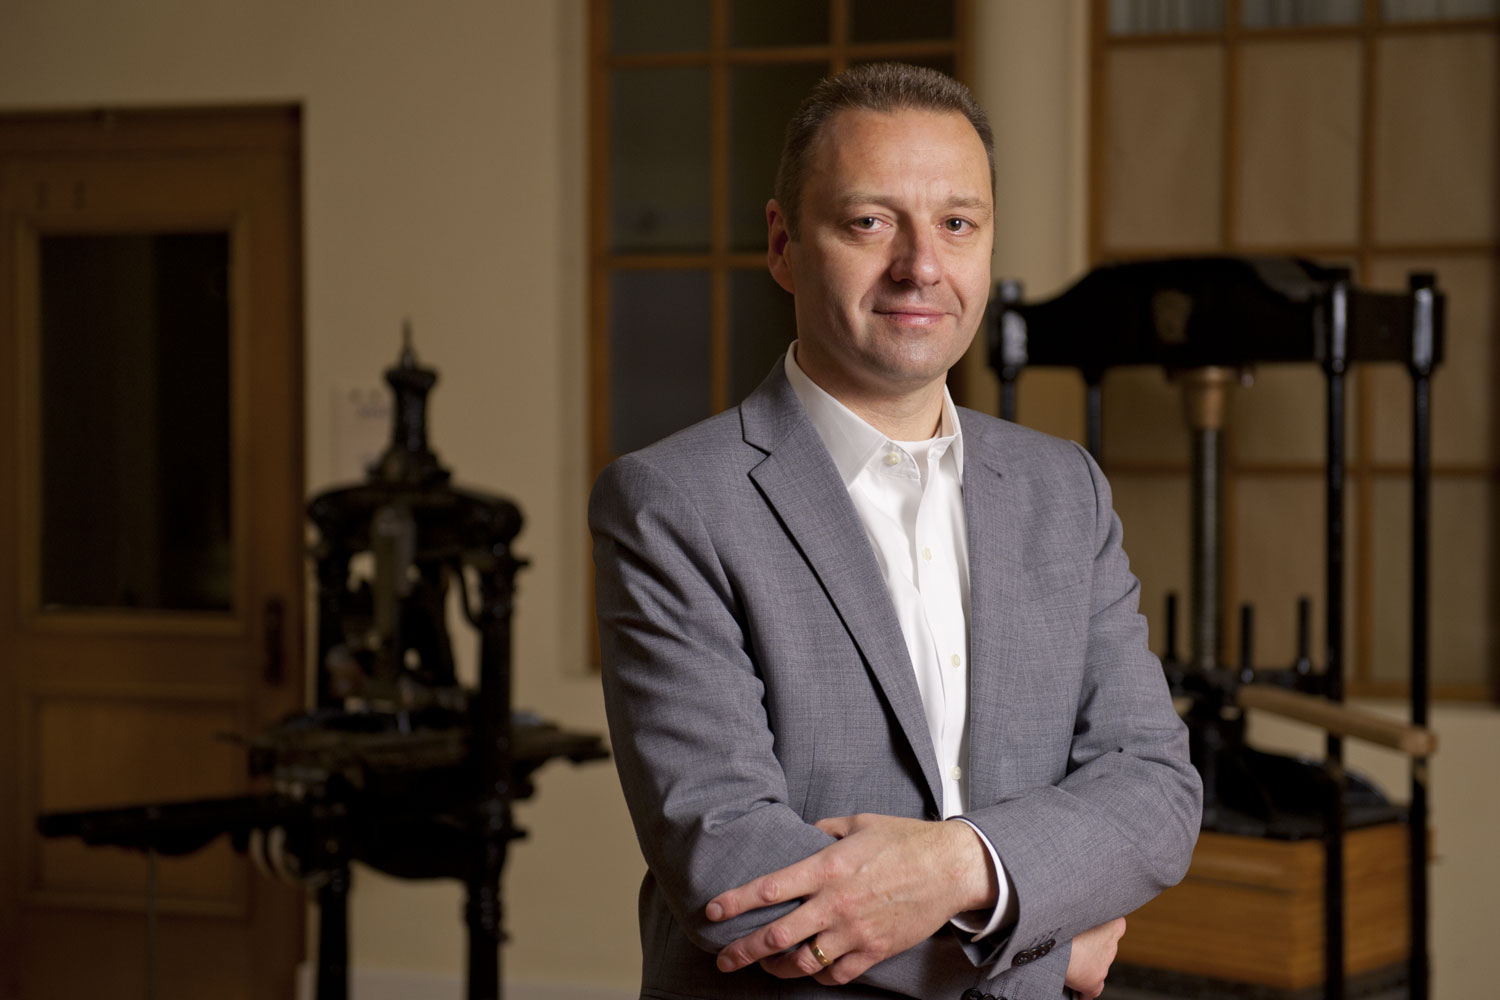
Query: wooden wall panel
[
  {"x": 1436, "y": 136},
  {"x": 1278, "y": 556},
  {"x": 1164, "y": 161},
  {"x": 1143, "y": 419},
  {"x": 1280, "y": 417},
  {"x": 1298, "y": 171},
  {"x": 1465, "y": 595},
  {"x": 1155, "y": 514}
]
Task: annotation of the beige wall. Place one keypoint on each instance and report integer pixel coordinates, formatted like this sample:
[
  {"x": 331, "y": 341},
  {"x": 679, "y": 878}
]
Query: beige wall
[{"x": 444, "y": 181}]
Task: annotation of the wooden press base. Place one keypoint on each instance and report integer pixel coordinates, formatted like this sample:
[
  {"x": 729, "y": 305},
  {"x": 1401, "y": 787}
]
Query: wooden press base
[{"x": 1251, "y": 911}]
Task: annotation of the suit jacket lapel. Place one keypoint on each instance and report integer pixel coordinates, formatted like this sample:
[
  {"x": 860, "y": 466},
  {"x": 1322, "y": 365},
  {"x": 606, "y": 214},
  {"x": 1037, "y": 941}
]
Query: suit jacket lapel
[
  {"x": 799, "y": 481},
  {"x": 994, "y": 517}
]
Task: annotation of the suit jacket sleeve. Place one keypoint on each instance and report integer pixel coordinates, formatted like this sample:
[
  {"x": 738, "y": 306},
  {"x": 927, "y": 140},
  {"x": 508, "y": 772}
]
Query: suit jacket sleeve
[
  {"x": 1120, "y": 824},
  {"x": 689, "y": 732}
]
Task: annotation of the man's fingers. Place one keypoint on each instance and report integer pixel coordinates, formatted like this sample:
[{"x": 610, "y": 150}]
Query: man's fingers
[
  {"x": 791, "y": 882},
  {"x": 803, "y": 960},
  {"x": 772, "y": 940},
  {"x": 1092, "y": 955},
  {"x": 836, "y": 826}
]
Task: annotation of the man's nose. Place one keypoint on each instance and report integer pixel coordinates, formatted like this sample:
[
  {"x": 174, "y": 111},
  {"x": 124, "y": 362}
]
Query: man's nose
[{"x": 915, "y": 257}]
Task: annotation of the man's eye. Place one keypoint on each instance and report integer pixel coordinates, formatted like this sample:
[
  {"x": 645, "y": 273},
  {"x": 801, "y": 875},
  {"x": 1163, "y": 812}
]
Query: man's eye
[
  {"x": 866, "y": 222},
  {"x": 957, "y": 225}
]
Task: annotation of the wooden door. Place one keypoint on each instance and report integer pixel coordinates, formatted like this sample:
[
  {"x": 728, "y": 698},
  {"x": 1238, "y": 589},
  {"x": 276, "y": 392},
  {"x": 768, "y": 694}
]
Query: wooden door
[{"x": 150, "y": 534}]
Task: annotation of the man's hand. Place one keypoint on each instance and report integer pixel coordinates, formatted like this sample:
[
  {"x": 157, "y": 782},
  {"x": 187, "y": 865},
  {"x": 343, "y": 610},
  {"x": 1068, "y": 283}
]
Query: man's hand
[
  {"x": 886, "y": 884},
  {"x": 1093, "y": 953}
]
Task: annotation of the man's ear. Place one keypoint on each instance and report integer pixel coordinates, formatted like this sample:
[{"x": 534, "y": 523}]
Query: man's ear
[{"x": 778, "y": 251}]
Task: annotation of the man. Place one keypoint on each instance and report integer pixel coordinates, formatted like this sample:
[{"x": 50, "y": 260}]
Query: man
[{"x": 879, "y": 696}]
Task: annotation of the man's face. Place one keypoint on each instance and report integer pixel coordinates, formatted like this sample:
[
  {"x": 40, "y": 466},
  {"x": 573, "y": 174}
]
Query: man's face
[{"x": 891, "y": 269}]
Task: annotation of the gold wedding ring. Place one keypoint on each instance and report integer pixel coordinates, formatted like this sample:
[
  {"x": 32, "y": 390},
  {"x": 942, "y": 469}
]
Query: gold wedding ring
[{"x": 823, "y": 959}]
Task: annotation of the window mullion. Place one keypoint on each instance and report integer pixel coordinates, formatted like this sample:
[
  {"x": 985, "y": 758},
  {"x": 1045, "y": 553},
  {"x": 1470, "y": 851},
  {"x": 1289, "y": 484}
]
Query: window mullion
[{"x": 838, "y": 35}]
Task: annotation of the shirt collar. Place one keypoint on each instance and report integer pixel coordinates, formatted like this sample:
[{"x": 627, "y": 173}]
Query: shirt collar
[{"x": 849, "y": 439}]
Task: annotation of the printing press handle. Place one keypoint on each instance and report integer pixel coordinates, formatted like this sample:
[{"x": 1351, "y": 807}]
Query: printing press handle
[{"x": 1338, "y": 719}]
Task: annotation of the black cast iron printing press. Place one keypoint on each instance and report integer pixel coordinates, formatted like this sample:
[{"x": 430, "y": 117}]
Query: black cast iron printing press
[
  {"x": 399, "y": 766},
  {"x": 1209, "y": 322}
]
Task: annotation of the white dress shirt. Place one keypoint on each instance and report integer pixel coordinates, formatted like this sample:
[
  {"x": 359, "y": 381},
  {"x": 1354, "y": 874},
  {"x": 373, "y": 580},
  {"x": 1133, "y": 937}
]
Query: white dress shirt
[{"x": 909, "y": 497}]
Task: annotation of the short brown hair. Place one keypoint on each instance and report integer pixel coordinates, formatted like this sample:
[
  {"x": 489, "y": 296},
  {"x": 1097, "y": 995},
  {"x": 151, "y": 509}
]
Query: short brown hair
[{"x": 871, "y": 87}]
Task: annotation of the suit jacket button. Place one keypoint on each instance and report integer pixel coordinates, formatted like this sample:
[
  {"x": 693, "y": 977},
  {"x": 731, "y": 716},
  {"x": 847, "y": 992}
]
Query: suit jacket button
[
  {"x": 989, "y": 996},
  {"x": 972, "y": 995},
  {"x": 1021, "y": 959}
]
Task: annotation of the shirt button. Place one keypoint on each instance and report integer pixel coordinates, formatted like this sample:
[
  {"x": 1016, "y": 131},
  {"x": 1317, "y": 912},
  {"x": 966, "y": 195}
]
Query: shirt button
[
  {"x": 927, "y": 554},
  {"x": 957, "y": 773},
  {"x": 955, "y": 659},
  {"x": 893, "y": 458}
]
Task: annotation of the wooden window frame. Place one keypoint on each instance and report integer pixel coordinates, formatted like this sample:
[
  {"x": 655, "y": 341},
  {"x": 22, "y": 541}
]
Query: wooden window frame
[
  {"x": 1362, "y": 470},
  {"x": 719, "y": 260}
]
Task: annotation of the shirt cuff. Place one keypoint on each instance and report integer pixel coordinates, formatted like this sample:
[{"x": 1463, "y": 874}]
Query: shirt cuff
[{"x": 1004, "y": 914}]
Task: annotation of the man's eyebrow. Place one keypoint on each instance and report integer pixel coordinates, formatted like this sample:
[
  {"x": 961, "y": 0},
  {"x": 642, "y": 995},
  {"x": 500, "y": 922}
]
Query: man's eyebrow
[{"x": 973, "y": 203}]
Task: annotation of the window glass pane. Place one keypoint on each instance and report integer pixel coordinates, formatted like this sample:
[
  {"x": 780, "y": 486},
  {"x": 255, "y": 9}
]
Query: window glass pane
[
  {"x": 658, "y": 25},
  {"x": 135, "y": 421},
  {"x": 778, "y": 22},
  {"x": 1296, "y": 13},
  {"x": 761, "y": 99},
  {"x": 899, "y": 21},
  {"x": 1150, "y": 17},
  {"x": 659, "y": 354},
  {"x": 1438, "y": 10},
  {"x": 659, "y": 172},
  {"x": 761, "y": 325}
]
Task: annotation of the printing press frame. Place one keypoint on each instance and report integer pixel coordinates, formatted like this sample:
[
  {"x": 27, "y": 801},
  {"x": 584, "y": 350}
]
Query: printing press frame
[
  {"x": 399, "y": 765},
  {"x": 1208, "y": 320}
]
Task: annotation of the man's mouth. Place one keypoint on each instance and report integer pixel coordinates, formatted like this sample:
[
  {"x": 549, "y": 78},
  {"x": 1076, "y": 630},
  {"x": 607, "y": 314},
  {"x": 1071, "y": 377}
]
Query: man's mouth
[{"x": 911, "y": 315}]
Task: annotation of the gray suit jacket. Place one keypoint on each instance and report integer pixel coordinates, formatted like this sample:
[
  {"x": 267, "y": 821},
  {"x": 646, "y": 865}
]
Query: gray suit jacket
[{"x": 756, "y": 680}]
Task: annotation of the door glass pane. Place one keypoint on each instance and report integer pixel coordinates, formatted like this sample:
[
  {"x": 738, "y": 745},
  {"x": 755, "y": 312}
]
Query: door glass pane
[
  {"x": 659, "y": 354},
  {"x": 135, "y": 421},
  {"x": 658, "y": 138}
]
